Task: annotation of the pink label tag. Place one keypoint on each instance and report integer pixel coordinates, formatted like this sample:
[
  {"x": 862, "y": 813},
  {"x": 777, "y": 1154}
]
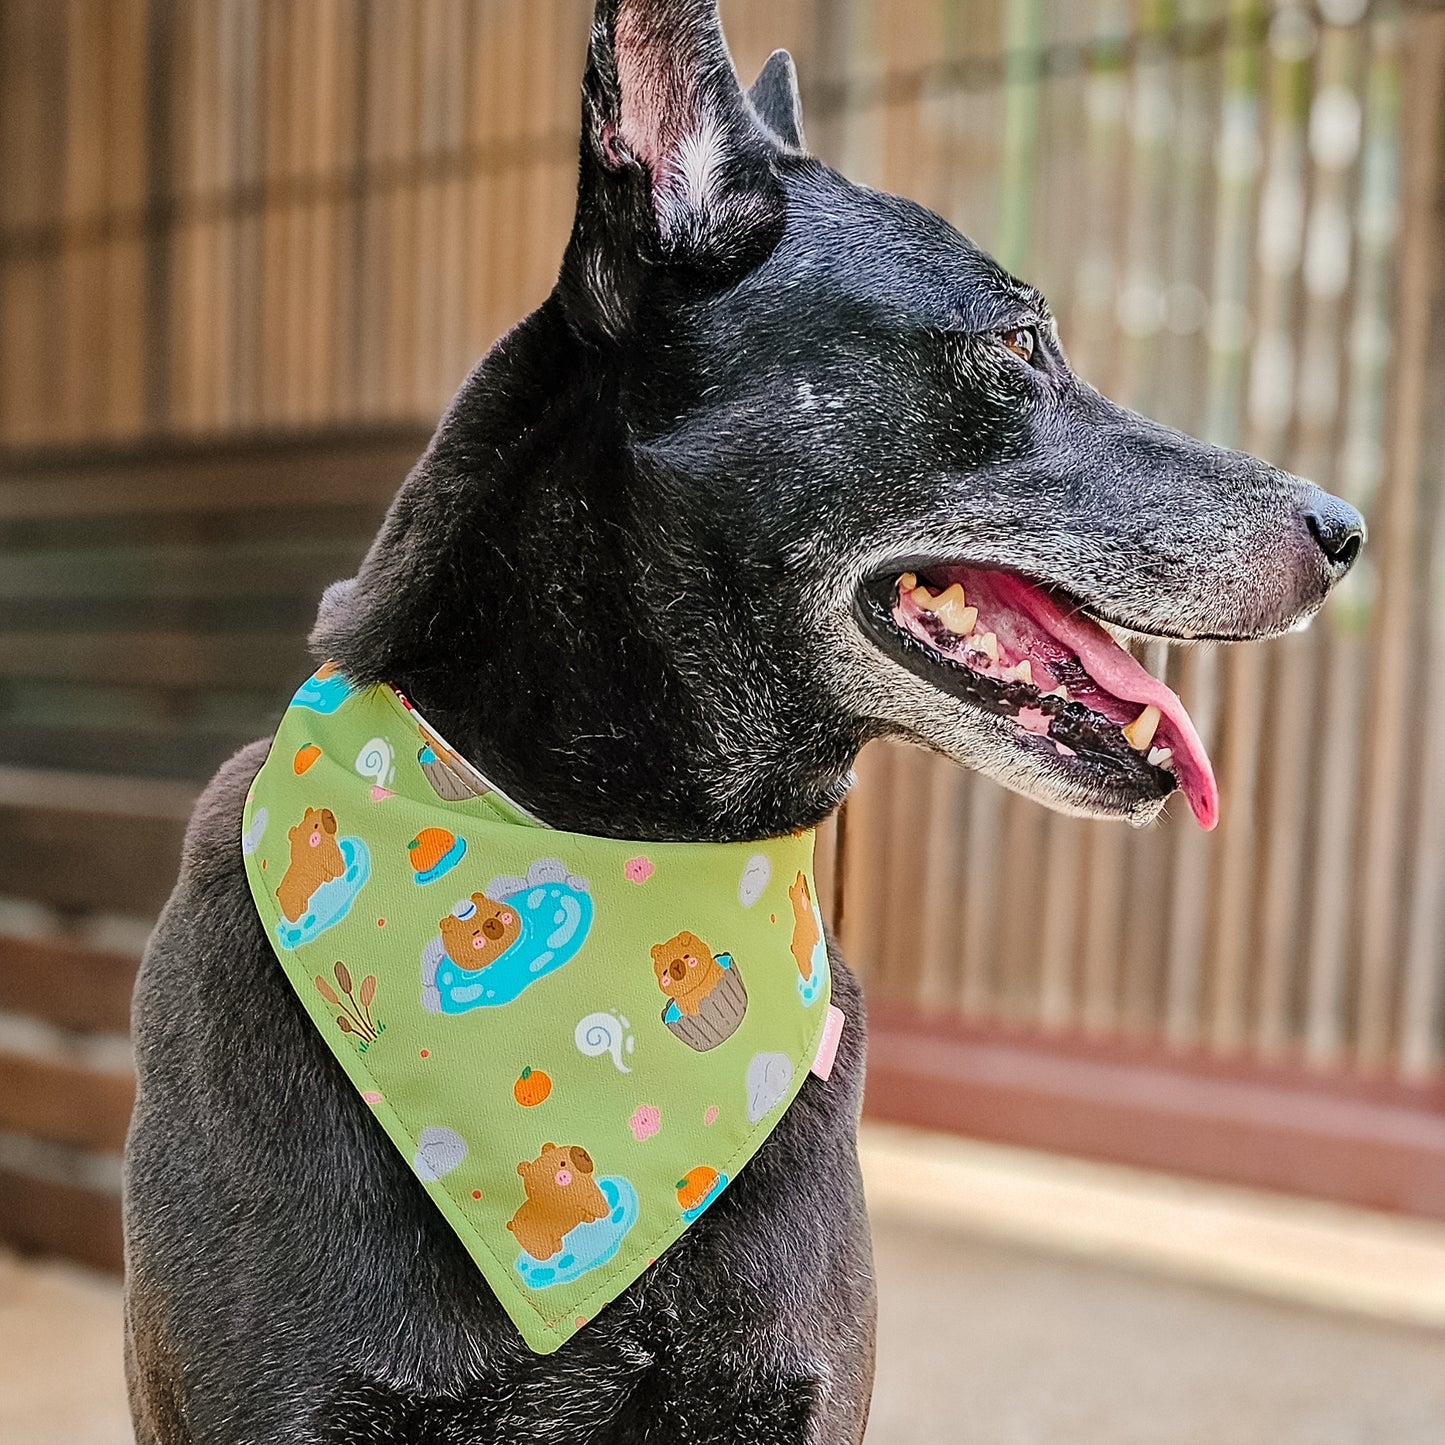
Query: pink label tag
[{"x": 828, "y": 1044}]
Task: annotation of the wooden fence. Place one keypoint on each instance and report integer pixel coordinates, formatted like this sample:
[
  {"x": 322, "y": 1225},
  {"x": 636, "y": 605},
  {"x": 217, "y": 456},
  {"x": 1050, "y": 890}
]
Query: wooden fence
[{"x": 248, "y": 245}]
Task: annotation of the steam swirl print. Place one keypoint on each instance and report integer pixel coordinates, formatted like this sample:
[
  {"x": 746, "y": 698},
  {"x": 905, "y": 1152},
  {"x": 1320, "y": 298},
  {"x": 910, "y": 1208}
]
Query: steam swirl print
[{"x": 605, "y": 1033}]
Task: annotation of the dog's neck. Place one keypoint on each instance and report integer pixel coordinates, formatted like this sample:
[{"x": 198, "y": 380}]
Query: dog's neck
[{"x": 583, "y": 628}]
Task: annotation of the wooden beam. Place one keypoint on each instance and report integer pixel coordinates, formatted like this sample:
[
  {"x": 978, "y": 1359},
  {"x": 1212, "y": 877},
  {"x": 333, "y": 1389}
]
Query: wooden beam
[
  {"x": 158, "y": 660},
  {"x": 64, "y": 1103},
  {"x": 1372, "y": 1142},
  {"x": 47, "y": 1217},
  {"x": 327, "y": 469},
  {"x": 66, "y": 985},
  {"x": 92, "y": 843}
]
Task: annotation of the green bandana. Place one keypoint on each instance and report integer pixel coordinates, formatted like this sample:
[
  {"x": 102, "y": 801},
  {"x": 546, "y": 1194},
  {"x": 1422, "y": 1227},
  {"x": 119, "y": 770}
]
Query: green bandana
[{"x": 575, "y": 1042}]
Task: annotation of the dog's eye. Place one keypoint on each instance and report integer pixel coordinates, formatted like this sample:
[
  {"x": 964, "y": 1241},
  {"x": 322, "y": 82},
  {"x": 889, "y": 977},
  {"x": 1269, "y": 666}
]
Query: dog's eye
[{"x": 1023, "y": 341}]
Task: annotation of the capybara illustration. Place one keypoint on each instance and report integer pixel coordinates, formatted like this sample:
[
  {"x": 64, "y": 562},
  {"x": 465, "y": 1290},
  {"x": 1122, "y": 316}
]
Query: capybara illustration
[
  {"x": 686, "y": 970},
  {"x": 315, "y": 859},
  {"x": 479, "y": 930},
  {"x": 561, "y": 1194},
  {"x": 805, "y": 925}
]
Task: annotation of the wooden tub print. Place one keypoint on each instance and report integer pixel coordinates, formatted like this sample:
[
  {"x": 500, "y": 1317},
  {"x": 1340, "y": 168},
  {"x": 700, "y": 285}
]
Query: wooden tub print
[{"x": 706, "y": 995}]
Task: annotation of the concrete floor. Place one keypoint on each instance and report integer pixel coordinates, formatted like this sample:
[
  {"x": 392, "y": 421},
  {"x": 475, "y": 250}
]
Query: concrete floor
[
  {"x": 981, "y": 1343},
  {"x": 60, "y": 1369}
]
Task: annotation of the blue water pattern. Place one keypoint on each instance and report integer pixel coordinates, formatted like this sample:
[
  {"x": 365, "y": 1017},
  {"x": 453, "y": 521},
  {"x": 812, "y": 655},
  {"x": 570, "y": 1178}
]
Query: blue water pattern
[
  {"x": 331, "y": 902},
  {"x": 585, "y": 1246},
  {"x": 672, "y": 1013},
  {"x": 555, "y": 919},
  {"x": 323, "y": 694},
  {"x": 719, "y": 1185}
]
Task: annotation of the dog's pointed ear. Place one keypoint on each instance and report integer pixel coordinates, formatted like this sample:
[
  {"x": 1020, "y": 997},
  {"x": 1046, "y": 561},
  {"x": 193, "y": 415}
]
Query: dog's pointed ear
[
  {"x": 777, "y": 101},
  {"x": 676, "y": 168}
]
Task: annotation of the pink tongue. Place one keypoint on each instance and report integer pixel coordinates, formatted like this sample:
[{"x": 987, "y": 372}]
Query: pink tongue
[{"x": 1118, "y": 673}]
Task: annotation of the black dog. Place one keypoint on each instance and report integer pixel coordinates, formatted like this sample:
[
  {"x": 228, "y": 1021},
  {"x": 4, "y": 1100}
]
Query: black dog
[{"x": 653, "y": 575}]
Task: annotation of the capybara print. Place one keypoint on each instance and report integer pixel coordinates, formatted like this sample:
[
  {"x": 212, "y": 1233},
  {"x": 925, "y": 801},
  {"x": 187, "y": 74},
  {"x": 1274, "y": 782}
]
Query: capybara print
[
  {"x": 810, "y": 949},
  {"x": 506, "y": 938},
  {"x": 572, "y": 1220},
  {"x": 686, "y": 971},
  {"x": 324, "y": 874},
  {"x": 707, "y": 999},
  {"x": 479, "y": 930},
  {"x": 315, "y": 859},
  {"x": 561, "y": 1194},
  {"x": 805, "y": 925}
]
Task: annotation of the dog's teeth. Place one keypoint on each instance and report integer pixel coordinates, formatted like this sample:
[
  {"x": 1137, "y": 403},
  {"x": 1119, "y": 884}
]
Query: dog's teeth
[
  {"x": 1140, "y": 733},
  {"x": 1023, "y": 672},
  {"x": 959, "y": 620},
  {"x": 1158, "y": 757},
  {"x": 922, "y": 599},
  {"x": 906, "y": 583},
  {"x": 988, "y": 645},
  {"x": 1060, "y": 692}
]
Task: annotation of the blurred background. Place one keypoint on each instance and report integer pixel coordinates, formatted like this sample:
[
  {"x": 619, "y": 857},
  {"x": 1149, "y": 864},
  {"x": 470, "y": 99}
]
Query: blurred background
[{"x": 248, "y": 250}]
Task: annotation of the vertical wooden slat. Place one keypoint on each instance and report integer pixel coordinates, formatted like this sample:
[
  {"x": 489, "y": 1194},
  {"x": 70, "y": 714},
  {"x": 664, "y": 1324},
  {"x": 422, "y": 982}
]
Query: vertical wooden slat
[
  {"x": 193, "y": 283},
  {"x": 127, "y": 185},
  {"x": 1279, "y": 932},
  {"x": 31, "y": 69},
  {"x": 83, "y": 266},
  {"x": 327, "y": 239},
  {"x": 866, "y": 862},
  {"x": 941, "y": 882},
  {"x": 1279, "y": 248},
  {"x": 352, "y": 298},
  {"x": 159, "y": 55},
  {"x": 912, "y": 810},
  {"x": 1392, "y": 724},
  {"x": 1319, "y": 719},
  {"x": 451, "y": 354},
  {"x": 1196, "y": 678},
  {"x": 1423, "y": 991}
]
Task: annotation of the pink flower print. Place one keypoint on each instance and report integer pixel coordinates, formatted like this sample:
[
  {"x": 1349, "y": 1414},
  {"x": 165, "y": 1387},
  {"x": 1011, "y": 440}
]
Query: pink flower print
[
  {"x": 645, "y": 1122},
  {"x": 638, "y": 870}
]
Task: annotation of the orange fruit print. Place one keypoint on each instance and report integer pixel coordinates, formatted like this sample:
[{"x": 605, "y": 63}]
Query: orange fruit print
[
  {"x": 692, "y": 1190},
  {"x": 532, "y": 1088}
]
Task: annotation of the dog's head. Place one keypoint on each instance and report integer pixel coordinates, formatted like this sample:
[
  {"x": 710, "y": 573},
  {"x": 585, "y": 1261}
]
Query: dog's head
[
  {"x": 952, "y": 513},
  {"x": 817, "y": 470}
]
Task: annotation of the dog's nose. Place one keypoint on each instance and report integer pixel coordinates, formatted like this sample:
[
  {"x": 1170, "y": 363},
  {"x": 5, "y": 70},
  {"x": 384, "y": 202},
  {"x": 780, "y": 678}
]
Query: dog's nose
[{"x": 1338, "y": 529}]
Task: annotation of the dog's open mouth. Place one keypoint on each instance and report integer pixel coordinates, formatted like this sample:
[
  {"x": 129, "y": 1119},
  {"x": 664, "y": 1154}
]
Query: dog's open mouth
[{"x": 1030, "y": 653}]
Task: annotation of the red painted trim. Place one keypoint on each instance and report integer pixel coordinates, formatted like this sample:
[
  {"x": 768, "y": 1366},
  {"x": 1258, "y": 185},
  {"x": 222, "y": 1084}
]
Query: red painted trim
[{"x": 1373, "y": 1142}]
